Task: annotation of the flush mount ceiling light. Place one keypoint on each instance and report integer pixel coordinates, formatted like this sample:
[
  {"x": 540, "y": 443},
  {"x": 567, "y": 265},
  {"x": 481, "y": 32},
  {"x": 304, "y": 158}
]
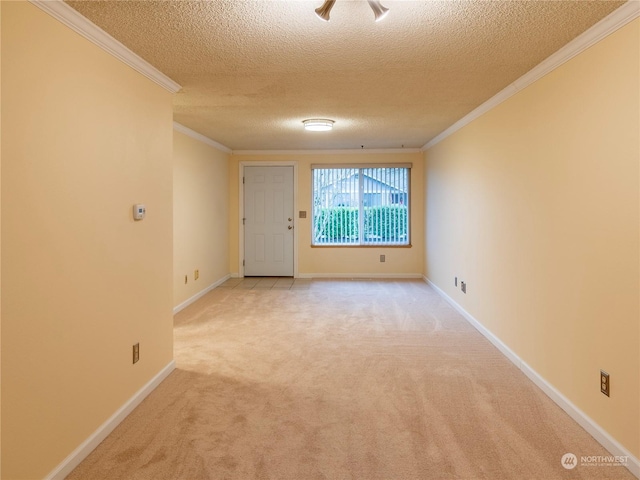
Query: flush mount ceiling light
[
  {"x": 379, "y": 11},
  {"x": 318, "y": 125}
]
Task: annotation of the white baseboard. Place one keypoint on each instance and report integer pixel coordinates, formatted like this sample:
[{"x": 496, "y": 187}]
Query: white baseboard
[
  {"x": 86, "y": 447},
  {"x": 360, "y": 275},
  {"x": 595, "y": 430},
  {"x": 200, "y": 294}
]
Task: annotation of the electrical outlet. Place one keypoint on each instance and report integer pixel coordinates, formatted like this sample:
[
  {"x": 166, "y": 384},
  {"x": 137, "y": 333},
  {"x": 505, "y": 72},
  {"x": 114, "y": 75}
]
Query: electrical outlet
[
  {"x": 463, "y": 287},
  {"x": 605, "y": 383},
  {"x": 382, "y": 258},
  {"x": 136, "y": 353},
  {"x": 186, "y": 279},
  {"x": 196, "y": 274},
  {"x": 455, "y": 281}
]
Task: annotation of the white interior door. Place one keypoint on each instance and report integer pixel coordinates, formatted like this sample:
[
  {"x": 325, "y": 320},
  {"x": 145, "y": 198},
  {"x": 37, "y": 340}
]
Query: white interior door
[{"x": 268, "y": 221}]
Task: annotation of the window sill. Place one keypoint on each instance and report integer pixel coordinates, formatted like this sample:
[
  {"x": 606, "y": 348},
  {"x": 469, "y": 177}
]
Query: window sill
[{"x": 361, "y": 246}]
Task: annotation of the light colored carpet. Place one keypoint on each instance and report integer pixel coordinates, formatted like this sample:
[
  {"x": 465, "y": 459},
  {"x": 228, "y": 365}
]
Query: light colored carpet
[{"x": 340, "y": 380}]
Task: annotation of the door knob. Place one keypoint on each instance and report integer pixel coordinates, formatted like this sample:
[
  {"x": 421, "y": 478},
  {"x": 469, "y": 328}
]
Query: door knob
[
  {"x": 289, "y": 227},
  {"x": 290, "y": 219}
]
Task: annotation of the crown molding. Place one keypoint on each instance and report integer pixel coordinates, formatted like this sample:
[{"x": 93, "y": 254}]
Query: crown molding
[
  {"x": 89, "y": 30},
  {"x": 612, "y": 22},
  {"x": 178, "y": 127},
  {"x": 352, "y": 151}
]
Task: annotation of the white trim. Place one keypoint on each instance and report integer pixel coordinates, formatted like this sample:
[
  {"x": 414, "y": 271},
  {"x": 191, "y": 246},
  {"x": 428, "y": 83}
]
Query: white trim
[
  {"x": 241, "y": 220},
  {"x": 178, "y": 127},
  {"x": 612, "y": 22},
  {"x": 582, "y": 419},
  {"x": 353, "y": 151},
  {"x": 241, "y": 166},
  {"x": 89, "y": 30},
  {"x": 360, "y": 275},
  {"x": 506, "y": 351},
  {"x": 200, "y": 294},
  {"x": 86, "y": 447},
  {"x": 595, "y": 430}
]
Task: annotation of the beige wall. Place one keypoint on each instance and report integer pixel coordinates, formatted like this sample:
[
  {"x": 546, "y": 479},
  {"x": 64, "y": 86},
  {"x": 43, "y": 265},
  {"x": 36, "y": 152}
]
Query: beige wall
[
  {"x": 0, "y": 252},
  {"x": 536, "y": 206},
  {"x": 84, "y": 138},
  {"x": 348, "y": 260},
  {"x": 200, "y": 216}
]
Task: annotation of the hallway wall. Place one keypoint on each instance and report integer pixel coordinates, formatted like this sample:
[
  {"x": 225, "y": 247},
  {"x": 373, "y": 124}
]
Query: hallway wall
[
  {"x": 200, "y": 216},
  {"x": 535, "y": 205},
  {"x": 84, "y": 137}
]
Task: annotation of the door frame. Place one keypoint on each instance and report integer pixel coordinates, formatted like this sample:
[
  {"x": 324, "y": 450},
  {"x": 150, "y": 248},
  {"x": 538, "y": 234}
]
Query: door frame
[{"x": 241, "y": 166}]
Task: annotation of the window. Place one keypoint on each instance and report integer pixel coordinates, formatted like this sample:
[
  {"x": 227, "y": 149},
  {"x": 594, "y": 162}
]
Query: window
[{"x": 360, "y": 206}]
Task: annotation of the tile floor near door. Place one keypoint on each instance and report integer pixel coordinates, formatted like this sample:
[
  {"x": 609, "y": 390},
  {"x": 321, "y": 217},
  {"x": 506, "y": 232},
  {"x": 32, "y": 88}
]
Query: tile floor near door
[{"x": 267, "y": 283}]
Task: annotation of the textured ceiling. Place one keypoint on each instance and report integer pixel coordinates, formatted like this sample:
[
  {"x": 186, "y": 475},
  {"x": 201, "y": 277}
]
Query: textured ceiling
[{"x": 252, "y": 70}]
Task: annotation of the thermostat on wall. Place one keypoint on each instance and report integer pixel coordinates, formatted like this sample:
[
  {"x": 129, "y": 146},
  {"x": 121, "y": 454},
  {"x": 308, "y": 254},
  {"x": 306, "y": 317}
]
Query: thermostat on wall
[{"x": 139, "y": 210}]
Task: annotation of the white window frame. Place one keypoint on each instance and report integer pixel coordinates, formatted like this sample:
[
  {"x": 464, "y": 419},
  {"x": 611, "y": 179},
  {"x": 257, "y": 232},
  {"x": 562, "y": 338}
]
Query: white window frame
[{"x": 361, "y": 241}]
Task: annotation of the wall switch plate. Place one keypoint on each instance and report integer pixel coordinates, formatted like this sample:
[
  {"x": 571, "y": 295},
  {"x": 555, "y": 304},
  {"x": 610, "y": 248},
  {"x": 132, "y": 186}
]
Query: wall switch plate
[
  {"x": 383, "y": 258},
  {"x": 136, "y": 353},
  {"x": 186, "y": 279},
  {"x": 302, "y": 214},
  {"x": 196, "y": 274},
  {"x": 605, "y": 383},
  {"x": 463, "y": 287}
]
